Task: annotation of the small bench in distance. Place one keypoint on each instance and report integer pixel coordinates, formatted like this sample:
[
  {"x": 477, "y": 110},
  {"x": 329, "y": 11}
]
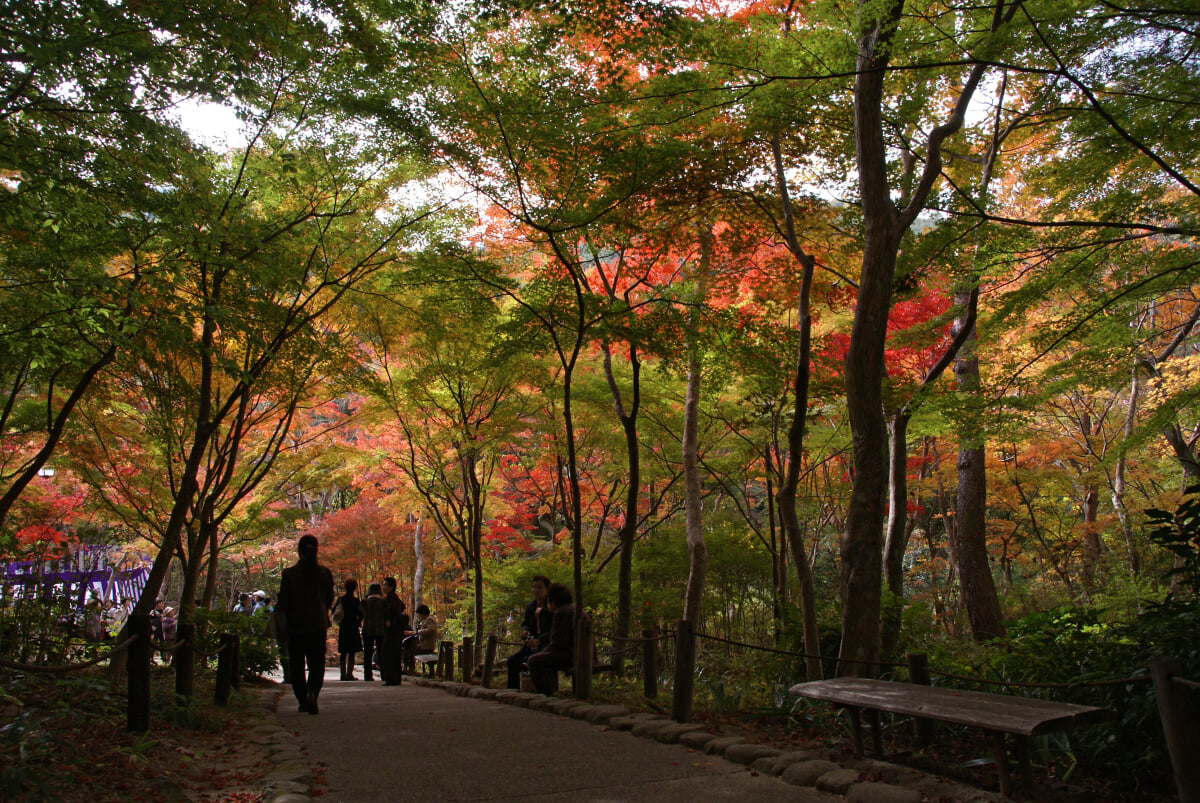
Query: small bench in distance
[{"x": 426, "y": 661}]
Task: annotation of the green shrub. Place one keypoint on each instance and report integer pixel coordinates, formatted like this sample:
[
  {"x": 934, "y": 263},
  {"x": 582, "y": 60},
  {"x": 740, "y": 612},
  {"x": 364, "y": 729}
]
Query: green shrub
[{"x": 259, "y": 653}]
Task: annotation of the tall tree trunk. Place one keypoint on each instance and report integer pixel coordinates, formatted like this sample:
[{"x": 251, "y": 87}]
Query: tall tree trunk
[
  {"x": 884, "y": 226},
  {"x": 786, "y": 496},
  {"x": 693, "y": 513},
  {"x": 970, "y": 549},
  {"x": 1118, "y": 481},
  {"x": 896, "y": 541},
  {"x": 777, "y": 567},
  {"x": 628, "y": 531},
  {"x": 687, "y": 645},
  {"x": 419, "y": 557},
  {"x": 1091, "y": 513}
]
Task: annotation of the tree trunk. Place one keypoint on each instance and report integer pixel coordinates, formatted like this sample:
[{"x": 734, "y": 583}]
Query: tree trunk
[
  {"x": 1118, "y": 482},
  {"x": 884, "y": 225},
  {"x": 786, "y": 497},
  {"x": 896, "y": 542},
  {"x": 693, "y": 514},
  {"x": 1091, "y": 514},
  {"x": 419, "y": 557},
  {"x": 861, "y": 544},
  {"x": 974, "y": 570},
  {"x": 628, "y": 531}
]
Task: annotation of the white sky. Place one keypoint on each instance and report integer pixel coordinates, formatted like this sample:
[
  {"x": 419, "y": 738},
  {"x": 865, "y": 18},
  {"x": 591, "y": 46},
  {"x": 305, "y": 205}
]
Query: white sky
[{"x": 211, "y": 124}]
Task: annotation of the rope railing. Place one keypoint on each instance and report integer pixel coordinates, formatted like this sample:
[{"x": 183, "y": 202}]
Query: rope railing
[
  {"x": 65, "y": 668},
  {"x": 212, "y": 654},
  {"x": 1182, "y": 681},
  {"x": 796, "y": 654},
  {"x": 635, "y": 643},
  {"x": 940, "y": 673},
  {"x": 167, "y": 646},
  {"x": 1019, "y": 685}
]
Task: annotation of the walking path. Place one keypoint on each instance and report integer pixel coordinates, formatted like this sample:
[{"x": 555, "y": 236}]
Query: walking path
[{"x": 419, "y": 742}]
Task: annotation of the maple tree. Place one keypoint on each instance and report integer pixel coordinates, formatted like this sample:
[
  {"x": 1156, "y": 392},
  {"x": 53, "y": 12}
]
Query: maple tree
[{"x": 901, "y": 294}]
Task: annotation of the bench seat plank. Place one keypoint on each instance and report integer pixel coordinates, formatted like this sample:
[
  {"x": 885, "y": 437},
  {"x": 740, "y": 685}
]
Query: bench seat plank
[{"x": 1022, "y": 716}]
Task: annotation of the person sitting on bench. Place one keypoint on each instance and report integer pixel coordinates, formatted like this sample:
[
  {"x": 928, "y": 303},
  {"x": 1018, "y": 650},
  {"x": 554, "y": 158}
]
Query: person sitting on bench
[
  {"x": 559, "y": 652},
  {"x": 535, "y": 629},
  {"x": 425, "y": 628}
]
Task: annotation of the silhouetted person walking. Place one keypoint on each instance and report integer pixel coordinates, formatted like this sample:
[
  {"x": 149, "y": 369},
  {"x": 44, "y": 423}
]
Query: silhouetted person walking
[{"x": 305, "y": 597}]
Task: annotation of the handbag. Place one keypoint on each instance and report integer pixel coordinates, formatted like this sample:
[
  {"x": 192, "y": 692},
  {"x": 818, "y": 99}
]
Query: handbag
[{"x": 339, "y": 613}]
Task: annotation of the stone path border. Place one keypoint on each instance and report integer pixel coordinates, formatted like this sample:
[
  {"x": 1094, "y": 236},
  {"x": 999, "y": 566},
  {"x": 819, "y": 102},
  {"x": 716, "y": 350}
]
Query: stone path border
[
  {"x": 290, "y": 779},
  {"x": 859, "y": 781}
]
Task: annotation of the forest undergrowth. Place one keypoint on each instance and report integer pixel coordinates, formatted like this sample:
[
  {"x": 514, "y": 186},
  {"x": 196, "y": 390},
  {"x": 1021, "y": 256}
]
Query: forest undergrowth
[{"x": 64, "y": 739}]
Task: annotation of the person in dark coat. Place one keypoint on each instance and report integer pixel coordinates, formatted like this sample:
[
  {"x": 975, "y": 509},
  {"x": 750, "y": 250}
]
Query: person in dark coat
[
  {"x": 395, "y": 631},
  {"x": 535, "y": 629},
  {"x": 559, "y": 652},
  {"x": 373, "y": 629},
  {"x": 305, "y": 597},
  {"x": 349, "y": 637}
]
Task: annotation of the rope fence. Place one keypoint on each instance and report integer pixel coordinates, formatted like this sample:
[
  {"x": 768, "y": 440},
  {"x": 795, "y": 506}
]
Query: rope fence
[
  {"x": 896, "y": 665},
  {"x": 796, "y": 654},
  {"x": 1182, "y": 681},
  {"x": 167, "y": 646},
  {"x": 66, "y": 668},
  {"x": 635, "y": 643},
  {"x": 214, "y": 653},
  {"x": 1018, "y": 685}
]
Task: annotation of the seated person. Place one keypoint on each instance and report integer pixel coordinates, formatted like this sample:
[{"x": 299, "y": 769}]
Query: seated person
[
  {"x": 535, "y": 630},
  {"x": 425, "y": 628},
  {"x": 559, "y": 652}
]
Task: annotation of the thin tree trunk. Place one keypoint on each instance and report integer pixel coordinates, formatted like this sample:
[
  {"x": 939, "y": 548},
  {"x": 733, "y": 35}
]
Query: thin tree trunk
[
  {"x": 786, "y": 496},
  {"x": 628, "y": 531},
  {"x": 693, "y": 514},
  {"x": 896, "y": 542},
  {"x": 1118, "y": 483},
  {"x": 419, "y": 556},
  {"x": 974, "y": 570}
]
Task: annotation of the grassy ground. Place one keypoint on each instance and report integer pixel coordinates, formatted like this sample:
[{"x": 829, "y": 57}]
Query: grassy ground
[{"x": 64, "y": 739}]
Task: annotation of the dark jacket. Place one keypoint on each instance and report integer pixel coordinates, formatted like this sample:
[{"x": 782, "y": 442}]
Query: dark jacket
[
  {"x": 373, "y": 616},
  {"x": 562, "y": 634},
  {"x": 537, "y": 625},
  {"x": 305, "y": 597},
  {"x": 349, "y": 639},
  {"x": 394, "y": 617}
]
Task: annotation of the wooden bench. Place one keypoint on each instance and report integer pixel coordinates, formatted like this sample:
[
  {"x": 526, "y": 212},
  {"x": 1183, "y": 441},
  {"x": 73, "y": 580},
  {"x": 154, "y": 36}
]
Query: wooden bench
[
  {"x": 424, "y": 661},
  {"x": 998, "y": 714}
]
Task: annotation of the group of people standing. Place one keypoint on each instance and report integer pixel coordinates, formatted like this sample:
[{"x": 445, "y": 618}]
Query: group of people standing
[{"x": 377, "y": 626}]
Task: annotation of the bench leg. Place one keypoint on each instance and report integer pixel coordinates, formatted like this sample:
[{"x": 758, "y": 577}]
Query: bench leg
[
  {"x": 876, "y": 735},
  {"x": 1023, "y": 761},
  {"x": 1001, "y": 747},
  {"x": 856, "y": 729}
]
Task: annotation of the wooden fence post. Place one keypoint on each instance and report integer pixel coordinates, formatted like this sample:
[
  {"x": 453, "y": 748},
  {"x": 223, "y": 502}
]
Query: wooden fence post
[
  {"x": 185, "y": 660},
  {"x": 582, "y": 684},
  {"x": 225, "y": 669},
  {"x": 1179, "y": 725},
  {"x": 235, "y": 679},
  {"x": 138, "y": 672},
  {"x": 649, "y": 664},
  {"x": 918, "y": 672},
  {"x": 446, "y": 664},
  {"x": 685, "y": 671},
  {"x": 468, "y": 658},
  {"x": 489, "y": 662}
]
